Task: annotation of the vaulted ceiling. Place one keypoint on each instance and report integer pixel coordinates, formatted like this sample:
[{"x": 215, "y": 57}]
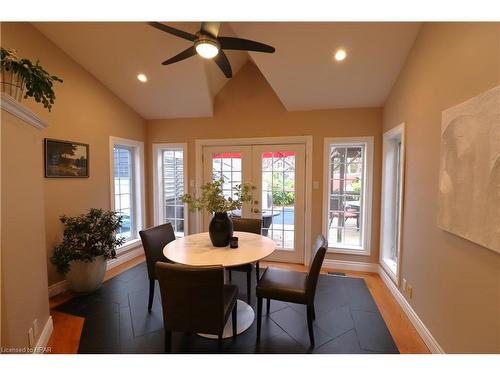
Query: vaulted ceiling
[{"x": 302, "y": 71}]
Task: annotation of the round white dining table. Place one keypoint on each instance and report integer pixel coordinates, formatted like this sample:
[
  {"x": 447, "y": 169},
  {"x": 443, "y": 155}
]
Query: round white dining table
[{"x": 197, "y": 250}]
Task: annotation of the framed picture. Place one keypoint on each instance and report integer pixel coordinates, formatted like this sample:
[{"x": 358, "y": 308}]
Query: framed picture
[{"x": 65, "y": 159}]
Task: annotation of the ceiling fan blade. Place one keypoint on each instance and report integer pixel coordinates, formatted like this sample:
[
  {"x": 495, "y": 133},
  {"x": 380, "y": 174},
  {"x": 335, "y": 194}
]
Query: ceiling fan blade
[
  {"x": 173, "y": 31},
  {"x": 228, "y": 42},
  {"x": 211, "y": 28},
  {"x": 191, "y": 51},
  {"x": 223, "y": 63}
]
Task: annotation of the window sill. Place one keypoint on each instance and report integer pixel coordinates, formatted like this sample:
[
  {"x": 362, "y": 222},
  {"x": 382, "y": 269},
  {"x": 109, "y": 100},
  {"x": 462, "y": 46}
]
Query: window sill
[
  {"x": 132, "y": 244},
  {"x": 349, "y": 250}
]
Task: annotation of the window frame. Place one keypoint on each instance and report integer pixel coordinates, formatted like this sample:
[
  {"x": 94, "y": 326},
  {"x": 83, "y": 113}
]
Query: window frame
[
  {"x": 158, "y": 149},
  {"x": 389, "y": 220},
  {"x": 367, "y": 142},
  {"x": 138, "y": 188}
]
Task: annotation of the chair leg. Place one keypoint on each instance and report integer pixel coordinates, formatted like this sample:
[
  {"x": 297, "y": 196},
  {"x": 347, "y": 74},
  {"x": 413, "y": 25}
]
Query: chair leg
[
  {"x": 259, "y": 316},
  {"x": 168, "y": 341},
  {"x": 268, "y": 306},
  {"x": 257, "y": 272},
  {"x": 151, "y": 294},
  {"x": 310, "y": 310},
  {"x": 219, "y": 341},
  {"x": 313, "y": 312},
  {"x": 249, "y": 287},
  {"x": 230, "y": 276},
  {"x": 234, "y": 317}
]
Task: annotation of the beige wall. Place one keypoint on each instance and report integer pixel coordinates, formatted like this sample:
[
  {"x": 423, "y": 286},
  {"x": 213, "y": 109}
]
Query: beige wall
[
  {"x": 24, "y": 270},
  {"x": 248, "y": 107},
  {"x": 85, "y": 111},
  {"x": 456, "y": 283}
]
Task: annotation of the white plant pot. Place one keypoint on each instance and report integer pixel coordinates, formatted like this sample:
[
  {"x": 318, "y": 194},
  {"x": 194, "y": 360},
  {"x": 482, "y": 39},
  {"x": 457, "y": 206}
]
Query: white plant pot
[{"x": 85, "y": 277}]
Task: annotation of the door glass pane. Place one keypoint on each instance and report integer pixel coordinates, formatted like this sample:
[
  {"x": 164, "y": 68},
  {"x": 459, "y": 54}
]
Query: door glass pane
[
  {"x": 123, "y": 176},
  {"x": 346, "y": 194},
  {"x": 173, "y": 189},
  {"x": 278, "y": 198},
  {"x": 227, "y": 166}
]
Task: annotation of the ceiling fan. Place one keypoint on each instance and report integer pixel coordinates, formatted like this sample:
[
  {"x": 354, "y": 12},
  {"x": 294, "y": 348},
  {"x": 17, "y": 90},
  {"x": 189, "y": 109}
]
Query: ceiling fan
[{"x": 209, "y": 45}]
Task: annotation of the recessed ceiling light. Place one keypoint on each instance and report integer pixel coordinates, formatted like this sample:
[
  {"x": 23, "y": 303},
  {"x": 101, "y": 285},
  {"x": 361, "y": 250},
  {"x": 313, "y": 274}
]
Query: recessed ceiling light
[
  {"x": 340, "y": 54},
  {"x": 142, "y": 77}
]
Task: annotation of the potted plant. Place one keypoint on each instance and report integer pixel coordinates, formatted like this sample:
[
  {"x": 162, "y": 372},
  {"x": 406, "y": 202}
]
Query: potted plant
[
  {"x": 21, "y": 79},
  {"x": 212, "y": 200},
  {"x": 89, "y": 240}
]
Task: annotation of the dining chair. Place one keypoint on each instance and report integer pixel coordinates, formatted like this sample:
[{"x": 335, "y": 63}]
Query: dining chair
[
  {"x": 250, "y": 226},
  {"x": 153, "y": 241},
  {"x": 292, "y": 286},
  {"x": 195, "y": 299}
]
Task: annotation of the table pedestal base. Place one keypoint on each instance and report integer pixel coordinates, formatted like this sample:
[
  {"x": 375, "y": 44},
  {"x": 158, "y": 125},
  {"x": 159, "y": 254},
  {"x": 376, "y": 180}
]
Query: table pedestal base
[{"x": 246, "y": 316}]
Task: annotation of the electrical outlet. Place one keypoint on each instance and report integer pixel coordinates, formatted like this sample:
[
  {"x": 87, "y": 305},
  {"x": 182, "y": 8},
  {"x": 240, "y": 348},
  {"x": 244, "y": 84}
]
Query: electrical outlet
[
  {"x": 410, "y": 291},
  {"x": 35, "y": 327},
  {"x": 31, "y": 338},
  {"x": 404, "y": 285}
]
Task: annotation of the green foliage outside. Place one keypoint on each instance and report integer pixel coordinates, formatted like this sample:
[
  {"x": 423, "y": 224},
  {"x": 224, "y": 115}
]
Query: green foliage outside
[
  {"x": 281, "y": 197},
  {"x": 86, "y": 237}
]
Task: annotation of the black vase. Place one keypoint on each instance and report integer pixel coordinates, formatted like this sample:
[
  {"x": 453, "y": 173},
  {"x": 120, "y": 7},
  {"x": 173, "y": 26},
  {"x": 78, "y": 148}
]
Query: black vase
[{"x": 220, "y": 229}]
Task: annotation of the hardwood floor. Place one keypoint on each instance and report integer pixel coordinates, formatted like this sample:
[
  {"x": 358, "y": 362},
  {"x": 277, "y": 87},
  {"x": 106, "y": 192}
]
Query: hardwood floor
[{"x": 67, "y": 328}]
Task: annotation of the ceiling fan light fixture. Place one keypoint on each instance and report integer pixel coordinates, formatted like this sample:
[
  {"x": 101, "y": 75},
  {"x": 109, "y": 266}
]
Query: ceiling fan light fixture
[{"x": 207, "y": 48}]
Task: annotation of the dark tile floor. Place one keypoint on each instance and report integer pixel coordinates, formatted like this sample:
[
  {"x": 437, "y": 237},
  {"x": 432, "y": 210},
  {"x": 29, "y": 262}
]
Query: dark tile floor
[{"x": 347, "y": 321}]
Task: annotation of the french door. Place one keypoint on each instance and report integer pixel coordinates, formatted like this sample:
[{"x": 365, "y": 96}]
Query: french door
[{"x": 278, "y": 172}]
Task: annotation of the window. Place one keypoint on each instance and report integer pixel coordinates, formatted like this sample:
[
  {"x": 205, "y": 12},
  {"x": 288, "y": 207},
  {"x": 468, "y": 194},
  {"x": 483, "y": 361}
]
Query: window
[
  {"x": 170, "y": 166},
  {"x": 348, "y": 192},
  {"x": 392, "y": 194},
  {"x": 127, "y": 186}
]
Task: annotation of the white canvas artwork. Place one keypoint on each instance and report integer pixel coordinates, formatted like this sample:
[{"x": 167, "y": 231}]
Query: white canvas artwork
[{"x": 469, "y": 183}]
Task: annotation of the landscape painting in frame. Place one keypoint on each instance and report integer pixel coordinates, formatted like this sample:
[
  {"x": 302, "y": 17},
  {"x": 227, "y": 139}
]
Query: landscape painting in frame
[
  {"x": 64, "y": 159},
  {"x": 469, "y": 183}
]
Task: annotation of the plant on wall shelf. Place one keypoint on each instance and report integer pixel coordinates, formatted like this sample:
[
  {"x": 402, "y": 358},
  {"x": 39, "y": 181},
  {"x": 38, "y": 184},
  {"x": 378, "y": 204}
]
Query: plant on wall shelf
[
  {"x": 22, "y": 79},
  {"x": 87, "y": 237}
]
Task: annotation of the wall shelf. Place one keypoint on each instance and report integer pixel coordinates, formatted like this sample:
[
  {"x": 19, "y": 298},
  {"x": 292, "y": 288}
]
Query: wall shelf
[{"x": 15, "y": 108}]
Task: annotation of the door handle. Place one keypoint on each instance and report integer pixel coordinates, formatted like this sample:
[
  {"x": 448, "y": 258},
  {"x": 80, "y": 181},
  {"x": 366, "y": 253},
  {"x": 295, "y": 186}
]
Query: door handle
[{"x": 256, "y": 211}]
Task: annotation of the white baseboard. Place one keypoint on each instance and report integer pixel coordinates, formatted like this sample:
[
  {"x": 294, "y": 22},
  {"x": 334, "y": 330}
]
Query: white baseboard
[
  {"x": 350, "y": 265},
  {"x": 62, "y": 286},
  {"x": 422, "y": 330},
  {"x": 43, "y": 340},
  {"x": 57, "y": 288},
  {"x": 122, "y": 258}
]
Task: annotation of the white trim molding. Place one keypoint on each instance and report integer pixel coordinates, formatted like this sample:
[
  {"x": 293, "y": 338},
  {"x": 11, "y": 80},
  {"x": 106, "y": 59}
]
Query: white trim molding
[
  {"x": 15, "y": 108},
  {"x": 112, "y": 263},
  {"x": 157, "y": 183},
  {"x": 307, "y": 140},
  {"x": 366, "y": 225},
  {"x": 43, "y": 340},
  {"x": 350, "y": 265},
  {"x": 391, "y": 222},
  {"x": 139, "y": 180},
  {"x": 422, "y": 330}
]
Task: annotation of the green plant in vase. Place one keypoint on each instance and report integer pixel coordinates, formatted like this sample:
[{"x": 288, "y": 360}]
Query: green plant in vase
[
  {"x": 88, "y": 241},
  {"x": 212, "y": 200}
]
